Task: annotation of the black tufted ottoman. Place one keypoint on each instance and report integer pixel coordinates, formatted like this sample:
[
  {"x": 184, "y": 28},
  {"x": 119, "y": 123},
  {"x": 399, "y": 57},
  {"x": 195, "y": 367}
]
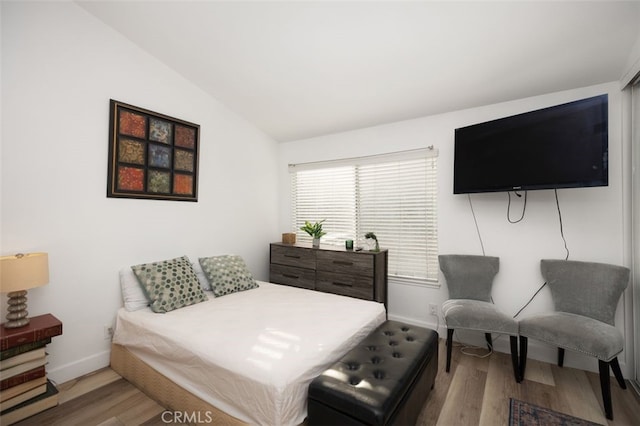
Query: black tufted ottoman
[{"x": 384, "y": 380}]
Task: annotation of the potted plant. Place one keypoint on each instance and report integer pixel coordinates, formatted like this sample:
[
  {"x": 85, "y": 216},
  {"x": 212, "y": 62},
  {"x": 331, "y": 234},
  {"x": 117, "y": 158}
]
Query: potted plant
[
  {"x": 315, "y": 230},
  {"x": 371, "y": 235}
]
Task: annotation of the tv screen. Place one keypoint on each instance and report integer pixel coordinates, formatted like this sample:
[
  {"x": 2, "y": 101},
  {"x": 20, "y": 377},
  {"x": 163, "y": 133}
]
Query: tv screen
[{"x": 563, "y": 146}]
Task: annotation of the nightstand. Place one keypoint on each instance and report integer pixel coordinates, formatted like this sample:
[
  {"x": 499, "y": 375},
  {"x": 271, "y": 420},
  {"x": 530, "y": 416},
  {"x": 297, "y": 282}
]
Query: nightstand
[{"x": 24, "y": 387}]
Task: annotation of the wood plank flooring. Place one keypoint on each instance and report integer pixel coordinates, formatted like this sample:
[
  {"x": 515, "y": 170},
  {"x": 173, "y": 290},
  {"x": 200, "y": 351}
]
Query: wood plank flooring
[{"x": 475, "y": 392}]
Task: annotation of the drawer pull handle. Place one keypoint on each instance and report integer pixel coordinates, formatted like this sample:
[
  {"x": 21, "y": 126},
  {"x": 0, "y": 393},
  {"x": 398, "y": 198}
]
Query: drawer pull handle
[
  {"x": 292, "y": 256},
  {"x": 342, "y": 262},
  {"x": 341, "y": 284},
  {"x": 291, "y": 276}
]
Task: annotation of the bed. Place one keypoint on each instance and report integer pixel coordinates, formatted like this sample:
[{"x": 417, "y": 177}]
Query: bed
[{"x": 247, "y": 357}]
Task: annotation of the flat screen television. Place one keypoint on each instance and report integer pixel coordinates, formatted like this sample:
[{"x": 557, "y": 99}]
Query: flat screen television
[{"x": 563, "y": 146}]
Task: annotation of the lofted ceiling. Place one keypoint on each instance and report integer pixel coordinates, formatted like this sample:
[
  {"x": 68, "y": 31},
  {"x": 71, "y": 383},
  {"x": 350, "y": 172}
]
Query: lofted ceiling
[{"x": 299, "y": 69}]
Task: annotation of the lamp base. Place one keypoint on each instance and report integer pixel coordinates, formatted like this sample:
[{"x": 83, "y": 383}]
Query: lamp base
[{"x": 17, "y": 316}]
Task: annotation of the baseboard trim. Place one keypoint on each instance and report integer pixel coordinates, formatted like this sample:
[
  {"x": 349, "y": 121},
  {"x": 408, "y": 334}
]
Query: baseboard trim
[
  {"x": 435, "y": 325},
  {"x": 79, "y": 368}
]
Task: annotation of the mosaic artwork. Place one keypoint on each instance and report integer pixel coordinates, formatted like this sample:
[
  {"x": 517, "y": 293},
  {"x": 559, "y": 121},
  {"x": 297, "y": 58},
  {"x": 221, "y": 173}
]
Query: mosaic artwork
[
  {"x": 185, "y": 136},
  {"x": 151, "y": 155},
  {"x": 182, "y": 184},
  {"x": 130, "y": 179},
  {"x": 184, "y": 160},
  {"x": 160, "y": 131},
  {"x": 133, "y": 124},
  {"x": 159, "y": 156},
  {"x": 159, "y": 182},
  {"x": 131, "y": 151}
]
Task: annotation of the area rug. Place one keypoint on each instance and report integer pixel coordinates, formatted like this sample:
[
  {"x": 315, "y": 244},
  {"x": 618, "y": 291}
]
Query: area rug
[{"x": 524, "y": 414}]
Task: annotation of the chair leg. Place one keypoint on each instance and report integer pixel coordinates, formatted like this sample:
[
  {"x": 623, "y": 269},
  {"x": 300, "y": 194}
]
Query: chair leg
[
  {"x": 605, "y": 385},
  {"x": 449, "y": 346},
  {"x": 489, "y": 340},
  {"x": 514, "y": 357},
  {"x": 523, "y": 355},
  {"x": 560, "y": 357},
  {"x": 615, "y": 366}
]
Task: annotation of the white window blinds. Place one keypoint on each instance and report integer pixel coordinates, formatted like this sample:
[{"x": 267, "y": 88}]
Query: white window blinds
[{"x": 393, "y": 196}]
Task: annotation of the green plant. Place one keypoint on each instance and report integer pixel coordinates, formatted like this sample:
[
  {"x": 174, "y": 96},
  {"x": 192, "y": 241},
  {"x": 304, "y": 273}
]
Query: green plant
[
  {"x": 313, "y": 229},
  {"x": 371, "y": 235}
]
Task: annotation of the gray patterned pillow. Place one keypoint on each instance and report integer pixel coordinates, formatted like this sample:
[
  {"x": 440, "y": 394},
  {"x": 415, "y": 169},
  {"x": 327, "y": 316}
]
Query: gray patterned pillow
[
  {"x": 227, "y": 274},
  {"x": 170, "y": 284}
]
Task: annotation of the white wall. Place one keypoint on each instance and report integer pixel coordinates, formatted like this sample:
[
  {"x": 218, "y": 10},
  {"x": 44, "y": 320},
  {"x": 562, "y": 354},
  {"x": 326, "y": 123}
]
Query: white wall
[
  {"x": 633, "y": 64},
  {"x": 593, "y": 217},
  {"x": 60, "y": 67}
]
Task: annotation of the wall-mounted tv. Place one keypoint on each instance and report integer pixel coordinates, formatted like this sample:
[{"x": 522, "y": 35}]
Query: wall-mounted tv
[{"x": 563, "y": 146}]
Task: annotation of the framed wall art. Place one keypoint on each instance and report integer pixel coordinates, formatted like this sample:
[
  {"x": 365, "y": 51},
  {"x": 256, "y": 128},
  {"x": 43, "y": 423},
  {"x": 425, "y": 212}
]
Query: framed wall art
[{"x": 151, "y": 155}]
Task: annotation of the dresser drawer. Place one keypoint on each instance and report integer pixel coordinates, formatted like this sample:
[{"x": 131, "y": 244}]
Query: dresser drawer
[
  {"x": 293, "y": 256},
  {"x": 344, "y": 284},
  {"x": 345, "y": 262},
  {"x": 290, "y": 275},
  {"x": 361, "y": 274}
]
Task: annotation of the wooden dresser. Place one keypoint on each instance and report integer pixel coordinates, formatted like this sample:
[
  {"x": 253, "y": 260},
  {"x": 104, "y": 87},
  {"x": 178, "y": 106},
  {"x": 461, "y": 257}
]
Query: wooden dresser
[{"x": 361, "y": 274}]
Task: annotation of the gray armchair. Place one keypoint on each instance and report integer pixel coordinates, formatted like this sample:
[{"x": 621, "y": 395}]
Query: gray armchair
[
  {"x": 585, "y": 296},
  {"x": 470, "y": 279}
]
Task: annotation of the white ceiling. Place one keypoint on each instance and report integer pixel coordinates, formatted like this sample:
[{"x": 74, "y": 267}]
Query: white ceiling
[{"x": 300, "y": 69}]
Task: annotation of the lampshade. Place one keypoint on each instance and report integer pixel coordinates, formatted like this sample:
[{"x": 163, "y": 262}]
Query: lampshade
[{"x": 23, "y": 271}]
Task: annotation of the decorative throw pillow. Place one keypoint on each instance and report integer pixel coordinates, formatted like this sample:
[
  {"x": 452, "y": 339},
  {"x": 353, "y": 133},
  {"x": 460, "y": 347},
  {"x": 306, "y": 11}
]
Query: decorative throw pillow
[
  {"x": 170, "y": 284},
  {"x": 227, "y": 274}
]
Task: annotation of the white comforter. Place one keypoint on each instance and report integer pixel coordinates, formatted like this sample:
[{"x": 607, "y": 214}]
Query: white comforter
[{"x": 254, "y": 353}]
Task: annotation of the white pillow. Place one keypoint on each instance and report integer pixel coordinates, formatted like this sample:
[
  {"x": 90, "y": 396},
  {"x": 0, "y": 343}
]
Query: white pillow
[
  {"x": 204, "y": 282},
  {"x": 132, "y": 294}
]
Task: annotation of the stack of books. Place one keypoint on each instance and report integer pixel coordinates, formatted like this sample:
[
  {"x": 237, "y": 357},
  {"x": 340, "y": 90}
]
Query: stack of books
[{"x": 24, "y": 387}]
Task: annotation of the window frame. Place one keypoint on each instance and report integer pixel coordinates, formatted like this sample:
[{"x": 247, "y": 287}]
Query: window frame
[{"x": 429, "y": 155}]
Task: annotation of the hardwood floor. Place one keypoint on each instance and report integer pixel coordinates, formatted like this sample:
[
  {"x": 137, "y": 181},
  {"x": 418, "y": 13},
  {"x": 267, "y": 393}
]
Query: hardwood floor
[{"x": 475, "y": 392}]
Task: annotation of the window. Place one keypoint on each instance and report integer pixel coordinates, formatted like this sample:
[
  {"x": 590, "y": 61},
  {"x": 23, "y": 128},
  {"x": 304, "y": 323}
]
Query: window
[{"x": 393, "y": 196}]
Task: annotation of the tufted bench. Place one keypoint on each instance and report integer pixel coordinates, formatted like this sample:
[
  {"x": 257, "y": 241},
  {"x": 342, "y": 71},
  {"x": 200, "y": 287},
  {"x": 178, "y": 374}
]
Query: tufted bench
[{"x": 384, "y": 380}]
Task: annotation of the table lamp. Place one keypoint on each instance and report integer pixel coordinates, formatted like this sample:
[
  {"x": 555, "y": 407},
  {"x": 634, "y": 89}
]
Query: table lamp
[{"x": 17, "y": 274}]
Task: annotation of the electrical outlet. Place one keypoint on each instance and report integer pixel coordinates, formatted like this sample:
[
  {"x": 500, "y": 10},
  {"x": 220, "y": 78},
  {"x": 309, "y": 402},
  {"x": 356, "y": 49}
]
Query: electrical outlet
[
  {"x": 108, "y": 332},
  {"x": 433, "y": 309}
]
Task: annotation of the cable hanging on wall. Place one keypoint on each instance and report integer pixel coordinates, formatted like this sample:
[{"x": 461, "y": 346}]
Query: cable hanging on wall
[
  {"x": 561, "y": 227},
  {"x": 516, "y": 221},
  {"x": 524, "y": 208},
  {"x": 565, "y": 247},
  {"x": 473, "y": 213}
]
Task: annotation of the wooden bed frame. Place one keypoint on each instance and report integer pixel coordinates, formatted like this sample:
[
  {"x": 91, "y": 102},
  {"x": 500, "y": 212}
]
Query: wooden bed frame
[{"x": 167, "y": 393}]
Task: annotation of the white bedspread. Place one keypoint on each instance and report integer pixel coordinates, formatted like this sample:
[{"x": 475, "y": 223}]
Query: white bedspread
[{"x": 254, "y": 353}]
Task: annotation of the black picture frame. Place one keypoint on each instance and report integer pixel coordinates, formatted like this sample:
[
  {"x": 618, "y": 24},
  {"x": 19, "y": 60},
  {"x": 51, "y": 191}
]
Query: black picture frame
[{"x": 151, "y": 155}]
